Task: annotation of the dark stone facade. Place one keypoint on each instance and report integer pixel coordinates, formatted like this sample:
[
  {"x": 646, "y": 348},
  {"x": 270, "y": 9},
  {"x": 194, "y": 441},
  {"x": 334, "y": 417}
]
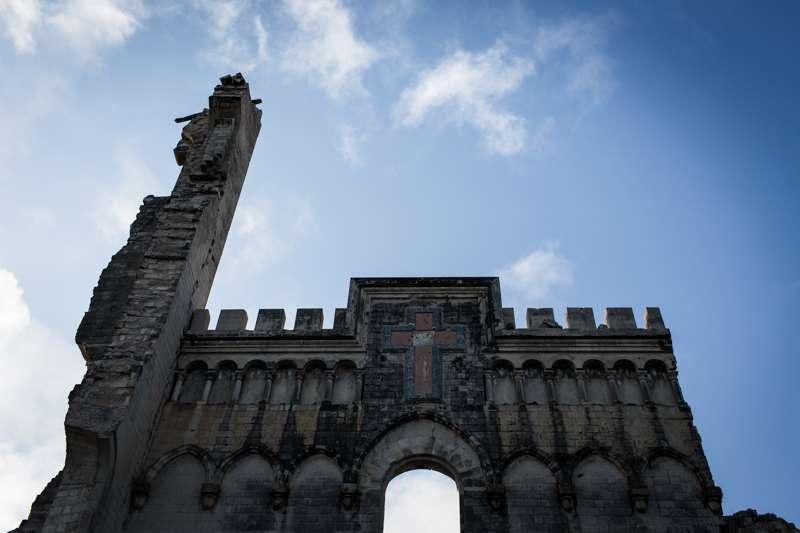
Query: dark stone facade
[{"x": 179, "y": 428}]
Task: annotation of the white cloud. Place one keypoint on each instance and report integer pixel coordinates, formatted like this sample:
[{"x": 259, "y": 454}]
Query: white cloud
[
  {"x": 240, "y": 40},
  {"x": 85, "y": 26},
  {"x": 265, "y": 232},
  {"x": 423, "y": 501},
  {"x": 349, "y": 146},
  {"x": 467, "y": 88},
  {"x": 576, "y": 46},
  {"x": 19, "y": 19},
  {"x": 45, "y": 367},
  {"x": 325, "y": 48},
  {"x": 92, "y": 25},
  {"x": 534, "y": 275},
  {"x": 117, "y": 208}
]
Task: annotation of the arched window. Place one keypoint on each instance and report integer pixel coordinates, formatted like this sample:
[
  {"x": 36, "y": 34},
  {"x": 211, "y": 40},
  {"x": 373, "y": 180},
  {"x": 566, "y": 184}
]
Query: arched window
[
  {"x": 535, "y": 386},
  {"x": 660, "y": 387},
  {"x": 628, "y": 389},
  {"x": 283, "y": 387},
  {"x": 423, "y": 501},
  {"x": 597, "y": 391},
  {"x": 222, "y": 390},
  {"x": 255, "y": 380},
  {"x": 505, "y": 391},
  {"x": 313, "y": 383},
  {"x": 194, "y": 383},
  {"x": 565, "y": 383}
]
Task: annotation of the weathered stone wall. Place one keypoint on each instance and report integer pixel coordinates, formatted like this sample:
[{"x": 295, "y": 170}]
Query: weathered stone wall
[
  {"x": 176, "y": 428},
  {"x": 139, "y": 310},
  {"x": 543, "y": 428}
]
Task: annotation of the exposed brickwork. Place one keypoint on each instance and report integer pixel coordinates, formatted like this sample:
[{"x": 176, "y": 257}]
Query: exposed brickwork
[{"x": 178, "y": 428}]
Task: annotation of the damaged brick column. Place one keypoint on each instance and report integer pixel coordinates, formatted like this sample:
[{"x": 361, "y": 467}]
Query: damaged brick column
[{"x": 139, "y": 310}]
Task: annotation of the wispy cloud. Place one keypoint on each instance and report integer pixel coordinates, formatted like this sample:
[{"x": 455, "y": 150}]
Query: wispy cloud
[
  {"x": 117, "y": 207},
  {"x": 239, "y": 37},
  {"x": 468, "y": 88},
  {"x": 325, "y": 48},
  {"x": 349, "y": 145},
  {"x": 534, "y": 275},
  {"x": 19, "y": 19},
  {"x": 265, "y": 232},
  {"x": 87, "y": 27},
  {"x": 32, "y": 440},
  {"x": 576, "y": 47}
]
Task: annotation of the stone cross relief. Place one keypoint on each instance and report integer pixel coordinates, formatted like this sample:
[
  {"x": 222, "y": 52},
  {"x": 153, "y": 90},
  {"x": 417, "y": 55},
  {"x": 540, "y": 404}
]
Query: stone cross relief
[{"x": 422, "y": 359}]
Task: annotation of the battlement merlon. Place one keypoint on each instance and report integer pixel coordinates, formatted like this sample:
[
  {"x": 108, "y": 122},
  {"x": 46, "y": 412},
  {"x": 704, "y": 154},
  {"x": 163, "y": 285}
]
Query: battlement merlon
[
  {"x": 141, "y": 306},
  {"x": 540, "y": 322}
]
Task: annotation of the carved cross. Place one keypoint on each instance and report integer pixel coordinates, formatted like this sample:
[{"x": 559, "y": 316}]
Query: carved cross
[{"x": 422, "y": 340}]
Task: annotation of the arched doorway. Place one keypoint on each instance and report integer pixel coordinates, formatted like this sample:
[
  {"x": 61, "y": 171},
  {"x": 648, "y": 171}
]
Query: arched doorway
[
  {"x": 428, "y": 445},
  {"x": 422, "y": 500}
]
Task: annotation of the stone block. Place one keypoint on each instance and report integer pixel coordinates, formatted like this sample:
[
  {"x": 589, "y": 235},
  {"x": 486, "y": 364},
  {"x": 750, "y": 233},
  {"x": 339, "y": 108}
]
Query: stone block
[
  {"x": 620, "y": 318},
  {"x": 339, "y": 320},
  {"x": 308, "y": 321},
  {"x": 653, "y": 319},
  {"x": 509, "y": 322},
  {"x": 541, "y": 318},
  {"x": 580, "y": 318},
  {"x": 232, "y": 320},
  {"x": 270, "y": 320},
  {"x": 201, "y": 318}
]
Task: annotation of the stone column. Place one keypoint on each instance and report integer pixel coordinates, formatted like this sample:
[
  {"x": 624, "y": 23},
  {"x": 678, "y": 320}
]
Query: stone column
[
  {"x": 551, "y": 387},
  {"x": 298, "y": 385},
  {"x": 580, "y": 378},
  {"x": 267, "y": 386},
  {"x": 613, "y": 386},
  {"x": 329, "y": 377},
  {"x": 519, "y": 384},
  {"x": 180, "y": 375},
  {"x": 210, "y": 374},
  {"x": 644, "y": 385},
  {"x": 237, "y": 387}
]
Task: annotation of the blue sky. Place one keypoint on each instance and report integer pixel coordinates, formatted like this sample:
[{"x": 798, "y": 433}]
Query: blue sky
[{"x": 592, "y": 154}]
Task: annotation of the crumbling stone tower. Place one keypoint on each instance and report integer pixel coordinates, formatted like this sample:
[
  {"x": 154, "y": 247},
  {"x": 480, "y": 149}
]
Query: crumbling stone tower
[{"x": 178, "y": 428}]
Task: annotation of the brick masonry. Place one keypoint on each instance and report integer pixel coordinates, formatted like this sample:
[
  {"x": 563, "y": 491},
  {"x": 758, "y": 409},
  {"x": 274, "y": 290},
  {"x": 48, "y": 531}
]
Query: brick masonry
[{"x": 178, "y": 428}]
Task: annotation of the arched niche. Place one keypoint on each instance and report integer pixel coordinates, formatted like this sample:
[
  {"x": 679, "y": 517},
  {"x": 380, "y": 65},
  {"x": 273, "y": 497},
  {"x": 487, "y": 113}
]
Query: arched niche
[
  {"x": 313, "y": 391},
  {"x": 628, "y": 387},
  {"x": 254, "y": 382},
  {"x": 313, "y": 496},
  {"x": 566, "y": 385},
  {"x": 222, "y": 390},
  {"x": 601, "y": 494},
  {"x": 505, "y": 391},
  {"x": 532, "y": 497},
  {"x": 344, "y": 385},
  {"x": 535, "y": 389},
  {"x": 173, "y": 503},
  {"x": 423, "y": 443},
  {"x": 244, "y": 502},
  {"x": 660, "y": 387},
  {"x": 422, "y": 500},
  {"x": 676, "y": 496},
  {"x": 597, "y": 391},
  {"x": 284, "y": 384},
  {"x": 194, "y": 383}
]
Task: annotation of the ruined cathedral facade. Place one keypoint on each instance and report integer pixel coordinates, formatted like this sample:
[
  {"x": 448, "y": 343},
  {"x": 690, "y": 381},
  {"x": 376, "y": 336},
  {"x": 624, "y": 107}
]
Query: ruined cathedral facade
[{"x": 179, "y": 426}]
